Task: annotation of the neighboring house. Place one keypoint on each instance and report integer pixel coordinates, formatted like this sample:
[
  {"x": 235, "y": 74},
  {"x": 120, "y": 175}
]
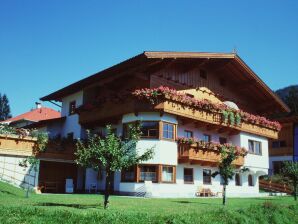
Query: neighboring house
[
  {"x": 40, "y": 113},
  {"x": 285, "y": 148},
  {"x": 177, "y": 169}
]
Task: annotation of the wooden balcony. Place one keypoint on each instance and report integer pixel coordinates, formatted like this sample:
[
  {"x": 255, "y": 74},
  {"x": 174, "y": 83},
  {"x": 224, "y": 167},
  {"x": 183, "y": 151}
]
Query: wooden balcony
[
  {"x": 17, "y": 146},
  {"x": 14, "y": 145},
  {"x": 282, "y": 151},
  {"x": 58, "y": 151},
  {"x": 205, "y": 157},
  {"x": 113, "y": 111}
]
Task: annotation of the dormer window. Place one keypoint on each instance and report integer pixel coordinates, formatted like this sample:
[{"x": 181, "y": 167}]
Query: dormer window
[
  {"x": 72, "y": 107},
  {"x": 203, "y": 74}
]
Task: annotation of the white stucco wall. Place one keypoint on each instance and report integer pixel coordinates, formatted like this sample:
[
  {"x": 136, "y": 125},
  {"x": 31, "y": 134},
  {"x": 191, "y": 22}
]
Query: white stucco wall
[
  {"x": 257, "y": 163},
  {"x": 71, "y": 123},
  {"x": 11, "y": 172}
]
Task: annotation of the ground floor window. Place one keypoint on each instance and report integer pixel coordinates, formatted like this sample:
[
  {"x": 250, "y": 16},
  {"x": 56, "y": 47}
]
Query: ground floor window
[
  {"x": 250, "y": 180},
  {"x": 148, "y": 173},
  {"x": 237, "y": 179},
  {"x": 167, "y": 174},
  {"x": 188, "y": 175},
  {"x": 128, "y": 175},
  {"x": 206, "y": 176}
]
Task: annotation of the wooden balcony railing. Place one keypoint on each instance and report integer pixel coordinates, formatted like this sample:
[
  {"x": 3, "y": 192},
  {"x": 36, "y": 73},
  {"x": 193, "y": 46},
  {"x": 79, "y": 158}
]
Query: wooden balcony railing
[
  {"x": 58, "y": 151},
  {"x": 111, "y": 110},
  {"x": 205, "y": 157},
  {"x": 282, "y": 151},
  {"x": 18, "y": 146},
  {"x": 15, "y": 145}
]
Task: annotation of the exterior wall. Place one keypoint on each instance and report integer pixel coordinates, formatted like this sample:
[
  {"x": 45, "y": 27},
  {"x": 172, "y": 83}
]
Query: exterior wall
[
  {"x": 11, "y": 172},
  {"x": 165, "y": 152},
  {"x": 179, "y": 189},
  {"x": 277, "y": 158},
  {"x": 71, "y": 123},
  {"x": 256, "y": 163},
  {"x": 199, "y": 132}
]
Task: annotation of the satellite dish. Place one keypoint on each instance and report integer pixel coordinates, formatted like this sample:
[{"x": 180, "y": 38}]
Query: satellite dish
[{"x": 231, "y": 105}]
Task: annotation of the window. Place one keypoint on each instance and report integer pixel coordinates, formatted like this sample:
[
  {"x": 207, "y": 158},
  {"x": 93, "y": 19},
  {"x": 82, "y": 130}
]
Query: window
[
  {"x": 203, "y": 74},
  {"x": 222, "y": 82},
  {"x": 279, "y": 144},
  {"x": 168, "y": 131},
  {"x": 188, "y": 134},
  {"x": 206, "y": 176},
  {"x": 222, "y": 140},
  {"x": 206, "y": 138},
  {"x": 128, "y": 175},
  {"x": 188, "y": 175},
  {"x": 237, "y": 179},
  {"x": 167, "y": 174},
  {"x": 70, "y": 136},
  {"x": 250, "y": 180},
  {"x": 72, "y": 108},
  {"x": 221, "y": 180},
  {"x": 148, "y": 173},
  {"x": 149, "y": 129},
  {"x": 255, "y": 147}
]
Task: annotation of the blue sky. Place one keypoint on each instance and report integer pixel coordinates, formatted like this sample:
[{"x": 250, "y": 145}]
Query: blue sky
[{"x": 46, "y": 45}]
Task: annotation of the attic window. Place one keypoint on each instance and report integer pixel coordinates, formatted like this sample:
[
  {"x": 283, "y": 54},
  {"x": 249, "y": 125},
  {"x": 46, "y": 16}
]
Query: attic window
[
  {"x": 72, "y": 107},
  {"x": 203, "y": 74},
  {"x": 222, "y": 82}
]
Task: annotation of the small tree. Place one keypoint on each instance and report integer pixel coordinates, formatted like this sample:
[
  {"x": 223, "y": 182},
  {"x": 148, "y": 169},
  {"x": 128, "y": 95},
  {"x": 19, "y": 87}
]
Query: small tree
[
  {"x": 226, "y": 169},
  {"x": 111, "y": 153},
  {"x": 33, "y": 164},
  {"x": 290, "y": 171},
  {"x": 4, "y": 108}
]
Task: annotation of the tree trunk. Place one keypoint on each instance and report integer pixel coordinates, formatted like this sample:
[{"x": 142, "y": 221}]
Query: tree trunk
[
  {"x": 224, "y": 195},
  {"x": 107, "y": 189},
  {"x": 295, "y": 189}
]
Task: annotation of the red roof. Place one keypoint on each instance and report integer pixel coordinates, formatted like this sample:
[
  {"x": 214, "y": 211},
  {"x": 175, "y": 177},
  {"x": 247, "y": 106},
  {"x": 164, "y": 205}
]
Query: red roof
[{"x": 39, "y": 114}]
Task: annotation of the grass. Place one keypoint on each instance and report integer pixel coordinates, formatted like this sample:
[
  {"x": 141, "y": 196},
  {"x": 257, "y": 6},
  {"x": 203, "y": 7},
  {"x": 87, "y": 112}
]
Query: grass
[{"x": 46, "y": 208}]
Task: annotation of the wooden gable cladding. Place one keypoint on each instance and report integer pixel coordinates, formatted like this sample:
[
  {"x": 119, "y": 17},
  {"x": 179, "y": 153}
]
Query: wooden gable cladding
[
  {"x": 212, "y": 85},
  {"x": 286, "y": 135},
  {"x": 10, "y": 145},
  {"x": 205, "y": 157}
]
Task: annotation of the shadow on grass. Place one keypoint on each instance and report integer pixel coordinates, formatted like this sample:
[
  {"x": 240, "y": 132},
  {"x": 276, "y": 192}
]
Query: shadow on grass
[
  {"x": 78, "y": 206},
  {"x": 194, "y": 202},
  {"x": 7, "y": 192}
]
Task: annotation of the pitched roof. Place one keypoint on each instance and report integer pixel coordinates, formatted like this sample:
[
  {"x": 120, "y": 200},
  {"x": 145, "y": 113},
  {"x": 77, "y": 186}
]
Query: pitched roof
[
  {"x": 148, "y": 58},
  {"x": 43, "y": 113}
]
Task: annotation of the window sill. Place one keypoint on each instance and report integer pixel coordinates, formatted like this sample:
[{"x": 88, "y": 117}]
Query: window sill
[
  {"x": 187, "y": 182},
  {"x": 254, "y": 154}
]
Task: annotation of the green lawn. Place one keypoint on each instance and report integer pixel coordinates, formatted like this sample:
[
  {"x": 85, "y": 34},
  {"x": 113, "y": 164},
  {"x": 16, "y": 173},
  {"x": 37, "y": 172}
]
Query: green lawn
[{"x": 47, "y": 208}]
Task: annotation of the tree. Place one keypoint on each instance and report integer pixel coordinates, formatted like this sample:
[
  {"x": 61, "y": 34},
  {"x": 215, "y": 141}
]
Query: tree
[
  {"x": 226, "y": 169},
  {"x": 292, "y": 100},
  {"x": 111, "y": 153},
  {"x": 290, "y": 171},
  {"x": 4, "y": 108}
]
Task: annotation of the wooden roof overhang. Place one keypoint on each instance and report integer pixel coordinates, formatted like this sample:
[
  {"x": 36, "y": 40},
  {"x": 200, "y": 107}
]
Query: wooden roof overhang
[{"x": 229, "y": 65}]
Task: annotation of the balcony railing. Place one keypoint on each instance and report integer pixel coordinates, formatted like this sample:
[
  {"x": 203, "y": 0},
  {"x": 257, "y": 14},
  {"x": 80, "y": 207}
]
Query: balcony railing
[
  {"x": 26, "y": 146},
  {"x": 193, "y": 154},
  {"x": 15, "y": 145},
  {"x": 111, "y": 111}
]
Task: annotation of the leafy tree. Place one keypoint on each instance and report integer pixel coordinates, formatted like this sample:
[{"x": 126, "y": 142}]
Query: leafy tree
[
  {"x": 290, "y": 171},
  {"x": 4, "y": 108},
  {"x": 226, "y": 168},
  {"x": 111, "y": 153},
  {"x": 292, "y": 100}
]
